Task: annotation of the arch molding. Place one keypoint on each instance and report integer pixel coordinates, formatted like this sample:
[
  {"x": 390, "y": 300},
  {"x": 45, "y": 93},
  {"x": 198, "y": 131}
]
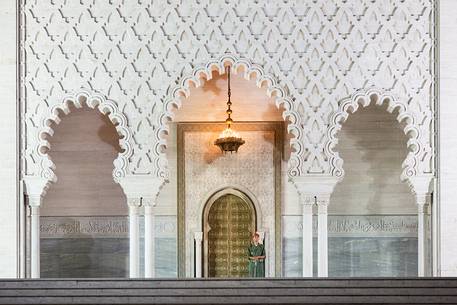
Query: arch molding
[{"x": 93, "y": 101}]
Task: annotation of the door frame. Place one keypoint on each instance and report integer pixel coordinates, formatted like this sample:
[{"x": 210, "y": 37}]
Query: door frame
[
  {"x": 185, "y": 235},
  {"x": 206, "y": 228}
]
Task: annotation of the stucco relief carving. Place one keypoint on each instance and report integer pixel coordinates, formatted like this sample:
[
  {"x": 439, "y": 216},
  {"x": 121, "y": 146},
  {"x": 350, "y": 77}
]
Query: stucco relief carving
[
  {"x": 139, "y": 52},
  {"x": 357, "y": 225},
  {"x": 100, "y": 227},
  {"x": 84, "y": 227},
  {"x": 419, "y": 150},
  {"x": 78, "y": 100}
]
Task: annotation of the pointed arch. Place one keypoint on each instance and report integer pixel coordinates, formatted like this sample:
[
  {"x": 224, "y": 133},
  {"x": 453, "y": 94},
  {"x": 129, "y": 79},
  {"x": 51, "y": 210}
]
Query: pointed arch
[
  {"x": 93, "y": 101},
  {"x": 250, "y": 70},
  {"x": 405, "y": 117}
]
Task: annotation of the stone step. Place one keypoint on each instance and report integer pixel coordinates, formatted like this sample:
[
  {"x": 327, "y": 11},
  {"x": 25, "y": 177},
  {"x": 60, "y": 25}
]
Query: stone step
[
  {"x": 226, "y": 283},
  {"x": 225, "y": 291}
]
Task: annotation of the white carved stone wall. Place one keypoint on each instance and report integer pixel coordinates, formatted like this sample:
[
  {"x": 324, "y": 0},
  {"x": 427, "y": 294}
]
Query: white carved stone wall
[
  {"x": 138, "y": 53},
  {"x": 313, "y": 56}
]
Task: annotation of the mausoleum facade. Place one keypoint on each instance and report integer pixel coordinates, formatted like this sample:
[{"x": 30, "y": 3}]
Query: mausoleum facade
[{"x": 345, "y": 108}]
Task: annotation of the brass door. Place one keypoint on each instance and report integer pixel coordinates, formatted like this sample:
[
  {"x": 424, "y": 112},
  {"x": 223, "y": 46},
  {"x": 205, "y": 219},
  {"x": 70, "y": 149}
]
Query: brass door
[{"x": 231, "y": 221}]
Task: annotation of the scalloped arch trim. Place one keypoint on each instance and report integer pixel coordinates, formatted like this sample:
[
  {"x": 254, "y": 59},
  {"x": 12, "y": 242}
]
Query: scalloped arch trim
[
  {"x": 93, "y": 101},
  {"x": 250, "y": 71},
  {"x": 365, "y": 98}
]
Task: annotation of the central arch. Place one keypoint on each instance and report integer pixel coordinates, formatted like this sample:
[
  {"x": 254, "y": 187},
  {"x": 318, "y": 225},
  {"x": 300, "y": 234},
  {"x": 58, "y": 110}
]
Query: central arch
[
  {"x": 204, "y": 72},
  {"x": 229, "y": 219}
]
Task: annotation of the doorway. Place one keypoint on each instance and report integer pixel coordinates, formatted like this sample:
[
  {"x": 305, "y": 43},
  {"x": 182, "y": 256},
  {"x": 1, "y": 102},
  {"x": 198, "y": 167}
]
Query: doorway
[{"x": 229, "y": 221}]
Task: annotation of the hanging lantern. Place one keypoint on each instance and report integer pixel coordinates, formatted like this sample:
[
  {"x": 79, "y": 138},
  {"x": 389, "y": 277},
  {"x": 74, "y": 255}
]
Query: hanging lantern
[{"x": 229, "y": 140}]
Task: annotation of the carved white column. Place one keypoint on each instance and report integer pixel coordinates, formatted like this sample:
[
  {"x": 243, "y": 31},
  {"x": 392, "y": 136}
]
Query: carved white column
[
  {"x": 35, "y": 187},
  {"x": 149, "y": 238},
  {"x": 22, "y": 233},
  {"x": 420, "y": 186},
  {"x": 319, "y": 187},
  {"x": 134, "y": 237},
  {"x": 422, "y": 205},
  {"x": 198, "y": 236},
  {"x": 322, "y": 235},
  {"x": 307, "y": 233},
  {"x": 141, "y": 189},
  {"x": 34, "y": 203}
]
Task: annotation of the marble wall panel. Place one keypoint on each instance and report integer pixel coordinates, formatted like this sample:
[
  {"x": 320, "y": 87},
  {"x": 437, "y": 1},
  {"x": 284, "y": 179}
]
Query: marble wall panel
[
  {"x": 85, "y": 247},
  {"x": 99, "y": 246},
  {"x": 84, "y": 257},
  {"x": 166, "y": 246},
  {"x": 372, "y": 256},
  {"x": 358, "y": 245}
]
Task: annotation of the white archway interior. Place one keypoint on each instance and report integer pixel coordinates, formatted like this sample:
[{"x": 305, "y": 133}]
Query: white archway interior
[
  {"x": 406, "y": 118},
  {"x": 83, "y": 215},
  {"x": 79, "y": 100},
  {"x": 250, "y": 71},
  {"x": 252, "y": 102},
  {"x": 371, "y": 199}
]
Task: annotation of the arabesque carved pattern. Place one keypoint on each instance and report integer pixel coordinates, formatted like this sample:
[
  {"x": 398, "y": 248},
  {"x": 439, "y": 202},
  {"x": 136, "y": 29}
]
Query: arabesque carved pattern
[{"x": 137, "y": 52}]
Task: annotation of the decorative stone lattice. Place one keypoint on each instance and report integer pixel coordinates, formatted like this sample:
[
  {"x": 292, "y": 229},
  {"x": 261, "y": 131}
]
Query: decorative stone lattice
[{"x": 136, "y": 52}]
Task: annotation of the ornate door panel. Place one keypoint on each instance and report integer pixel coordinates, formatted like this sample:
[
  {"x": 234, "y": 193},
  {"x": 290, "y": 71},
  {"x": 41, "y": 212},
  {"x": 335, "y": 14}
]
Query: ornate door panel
[{"x": 231, "y": 221}]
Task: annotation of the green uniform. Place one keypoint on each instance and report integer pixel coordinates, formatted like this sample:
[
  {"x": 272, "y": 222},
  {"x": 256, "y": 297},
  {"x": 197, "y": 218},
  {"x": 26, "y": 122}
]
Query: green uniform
[{"x": 256, "y": 267}]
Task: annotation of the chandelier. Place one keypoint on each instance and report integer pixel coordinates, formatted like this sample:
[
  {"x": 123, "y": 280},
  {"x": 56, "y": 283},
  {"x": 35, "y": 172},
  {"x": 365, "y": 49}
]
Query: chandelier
[{"x": 229, "y": 140}]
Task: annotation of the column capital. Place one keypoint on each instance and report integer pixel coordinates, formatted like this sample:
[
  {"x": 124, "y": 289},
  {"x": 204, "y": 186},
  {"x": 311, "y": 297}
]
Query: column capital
[
  {"x": 148, "y": 202},
  {"x": 322, "y": 207},
  {"x": 421, "y": 184},
  {"x": 422, "y": 201},
  {"x": 142, "y": 186},
  {"x": 323, "y": 199},
  {"x": 34, "y": 201},
  {"x": 34, "y": 210},
  {"x": 314, "y": 185},
  {"x": 134, "y": 202},
  {"x": 421, "y": 207},
  {"x": 148, "y": 209},
  {"x": 198, "y": 236},
  {"x": 307, "y": 199},
  {"x": 35, "y": 188}
]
